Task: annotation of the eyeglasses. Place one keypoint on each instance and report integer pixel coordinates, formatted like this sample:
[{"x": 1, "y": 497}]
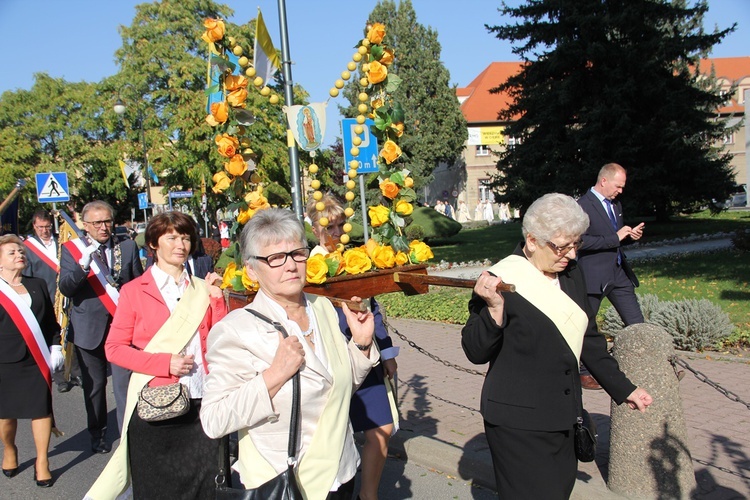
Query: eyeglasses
[
  {"x": 44, "y": 227},
  {"x": 279, "y": 259},
  {"x": 564, "y": 250},
  {"x": 99, "y": 223}
]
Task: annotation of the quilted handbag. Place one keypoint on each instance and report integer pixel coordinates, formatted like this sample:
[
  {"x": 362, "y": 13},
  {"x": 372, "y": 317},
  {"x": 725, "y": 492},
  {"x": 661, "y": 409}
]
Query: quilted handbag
[
  {"x": 585, "y": 438},
  {"x": 163, "y": 402}
]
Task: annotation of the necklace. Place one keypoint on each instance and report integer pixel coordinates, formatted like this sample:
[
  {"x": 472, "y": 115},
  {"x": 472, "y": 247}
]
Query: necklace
[{"x": 12, "y": 284}]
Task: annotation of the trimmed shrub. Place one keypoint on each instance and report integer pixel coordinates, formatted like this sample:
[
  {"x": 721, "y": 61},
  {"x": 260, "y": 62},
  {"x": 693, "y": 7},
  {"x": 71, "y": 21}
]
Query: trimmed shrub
[
  {"x": 693, "y": 324},
  {"x": 434, "y": 224},
  {"x": 741, "y": 240},
  {"x": 414, "y": 232}
]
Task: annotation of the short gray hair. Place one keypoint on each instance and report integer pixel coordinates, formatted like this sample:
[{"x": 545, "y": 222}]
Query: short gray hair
[
  {"x": 553, "y": 215},
  {"x": 268, "y": 227},
  {"x": 97, "y": 205}
]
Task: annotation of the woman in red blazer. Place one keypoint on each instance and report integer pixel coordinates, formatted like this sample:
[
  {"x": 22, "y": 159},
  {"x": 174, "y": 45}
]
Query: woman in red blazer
[{"x": 172, "y": 458}]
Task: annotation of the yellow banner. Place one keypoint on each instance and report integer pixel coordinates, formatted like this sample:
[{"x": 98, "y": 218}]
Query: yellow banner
[{"x": 485, "y": 136}]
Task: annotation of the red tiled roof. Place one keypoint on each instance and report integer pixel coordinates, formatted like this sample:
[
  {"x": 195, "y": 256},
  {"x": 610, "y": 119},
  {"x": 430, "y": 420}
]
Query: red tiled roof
[{"x": 480, "y": 106}]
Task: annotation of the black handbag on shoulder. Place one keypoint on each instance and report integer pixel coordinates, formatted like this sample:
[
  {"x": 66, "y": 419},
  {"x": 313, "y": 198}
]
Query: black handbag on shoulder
[{"x": 284, "y": 486}]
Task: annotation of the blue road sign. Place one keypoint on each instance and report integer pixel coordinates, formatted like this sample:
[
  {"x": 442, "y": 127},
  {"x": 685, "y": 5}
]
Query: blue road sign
[
  {"x": 368, "y": 150},
  {"x": 181, "y": 194},
  {"x": 52, "y": 187},
  {"x": 142, "y": 201}
]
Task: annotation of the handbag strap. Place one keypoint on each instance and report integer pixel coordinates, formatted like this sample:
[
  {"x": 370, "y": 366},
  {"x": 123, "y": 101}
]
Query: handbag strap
[{"x": 294, "y": 421}]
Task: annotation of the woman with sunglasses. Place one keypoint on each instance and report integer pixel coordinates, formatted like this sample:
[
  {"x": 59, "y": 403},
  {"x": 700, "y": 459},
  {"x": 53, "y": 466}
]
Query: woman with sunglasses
[
  {"x": 533, "y": 340},
  {"x": 249, "y": 385}
]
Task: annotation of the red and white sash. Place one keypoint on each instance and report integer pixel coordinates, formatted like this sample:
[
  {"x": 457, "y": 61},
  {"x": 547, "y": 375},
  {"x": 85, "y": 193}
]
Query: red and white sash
[
  {"x": 40, "y": 251},
  {"x": 24, "y": 319},
  {"x": 106, "y": 292}
]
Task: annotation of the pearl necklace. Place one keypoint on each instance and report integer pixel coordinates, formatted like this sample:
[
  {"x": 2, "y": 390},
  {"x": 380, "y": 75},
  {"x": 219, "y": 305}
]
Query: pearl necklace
[{"x": 12, "y": 284}]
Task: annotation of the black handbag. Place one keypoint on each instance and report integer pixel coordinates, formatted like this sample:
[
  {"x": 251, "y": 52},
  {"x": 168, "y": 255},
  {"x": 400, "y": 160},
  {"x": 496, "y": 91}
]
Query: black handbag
[
  {"x": 585, "y": 437},
  {"x": 284, "y": 486}
]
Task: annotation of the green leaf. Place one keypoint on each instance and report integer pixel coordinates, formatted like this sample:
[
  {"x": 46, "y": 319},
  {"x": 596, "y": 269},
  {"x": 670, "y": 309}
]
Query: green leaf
[
  {"x": 212, "y": 89},
  {"x": 397, "y": 114},
  {"x": 407, "y": 194},
  {"x": 236, "y": 283},
  {"x": 400, "y": 244},
  {"x": 397, "y": 220},
  {"x": 376, "y": 51},
  {"x": 392, "y": 82},
  {"x": 380, "y": 123},
  {"x": 398, "y": 178},
  {"x": 333, "y": 266}
]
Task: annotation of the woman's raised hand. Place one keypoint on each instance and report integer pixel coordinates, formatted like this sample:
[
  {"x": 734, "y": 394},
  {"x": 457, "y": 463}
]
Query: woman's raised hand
[
  {"x": 288, "y": 359},
  {"x": 361, "y": 324},
  {"x": 179, "y": 365}
]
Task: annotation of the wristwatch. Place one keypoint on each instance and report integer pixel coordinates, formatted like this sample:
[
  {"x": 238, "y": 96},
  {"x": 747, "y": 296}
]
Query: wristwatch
[{"x": 362, "y": 347}]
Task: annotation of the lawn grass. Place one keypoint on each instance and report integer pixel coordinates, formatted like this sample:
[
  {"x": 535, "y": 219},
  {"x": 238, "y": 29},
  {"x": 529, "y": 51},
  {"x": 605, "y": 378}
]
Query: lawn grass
[{"x": 498, "y": 240}]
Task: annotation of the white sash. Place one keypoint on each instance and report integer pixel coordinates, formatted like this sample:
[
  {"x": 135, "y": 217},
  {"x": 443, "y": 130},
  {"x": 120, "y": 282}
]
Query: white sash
[
  {"x": 533, "y": 286},
  {"x": 29, "y": 319}
]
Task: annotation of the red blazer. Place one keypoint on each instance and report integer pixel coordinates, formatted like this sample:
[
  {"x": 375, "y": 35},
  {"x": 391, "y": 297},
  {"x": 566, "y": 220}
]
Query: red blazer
[{"x": 141, "y": 311}]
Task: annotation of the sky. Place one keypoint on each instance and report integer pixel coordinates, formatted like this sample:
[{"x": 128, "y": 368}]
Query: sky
[{"x": 77, "y": 39}]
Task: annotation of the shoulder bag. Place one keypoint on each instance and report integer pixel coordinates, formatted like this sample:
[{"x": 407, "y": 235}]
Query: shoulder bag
[
  {"x": 584, "y": 433},
  {"x": 284, "y": 486}
]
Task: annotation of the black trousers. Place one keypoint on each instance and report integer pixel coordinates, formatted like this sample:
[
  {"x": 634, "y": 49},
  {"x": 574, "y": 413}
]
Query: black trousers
[
  {"x": 621, "y": 294},
  {"x": 93, "y": 363},
  {"x": 532, "y": 465}
]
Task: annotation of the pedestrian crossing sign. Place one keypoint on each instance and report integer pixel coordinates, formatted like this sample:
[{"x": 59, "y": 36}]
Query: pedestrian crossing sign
[{"x": 52, "y": 187}]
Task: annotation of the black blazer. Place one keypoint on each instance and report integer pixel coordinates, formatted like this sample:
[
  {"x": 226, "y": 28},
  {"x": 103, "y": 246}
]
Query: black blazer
[
  {"x": 88, "y": 317},
  {"x": 12, "y": 345},
  {"x": 533, "y": 381},
  {"x": 598, "y": 253},
  {"x": 36, "y": 268}
]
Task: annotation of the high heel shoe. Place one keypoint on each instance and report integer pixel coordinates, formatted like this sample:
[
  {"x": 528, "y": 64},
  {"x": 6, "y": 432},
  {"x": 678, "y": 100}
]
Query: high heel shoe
[
  {"x": 12, "y": 472},
  {"x": 42, "y": 483}
]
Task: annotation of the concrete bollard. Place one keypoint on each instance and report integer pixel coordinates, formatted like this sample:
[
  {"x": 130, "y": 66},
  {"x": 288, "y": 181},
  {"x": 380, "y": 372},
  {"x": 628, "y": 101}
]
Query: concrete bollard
[{"x": 649, "y": 455}]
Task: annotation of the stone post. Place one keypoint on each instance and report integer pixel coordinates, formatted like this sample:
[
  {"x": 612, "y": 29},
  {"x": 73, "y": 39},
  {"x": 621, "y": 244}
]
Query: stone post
[{"x": 649, "y": 453}]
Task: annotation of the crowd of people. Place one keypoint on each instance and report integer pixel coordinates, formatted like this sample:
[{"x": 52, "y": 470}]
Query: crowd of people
[
  {"x": 245, "y": 374},
  {"x": 484, "y": 211}
]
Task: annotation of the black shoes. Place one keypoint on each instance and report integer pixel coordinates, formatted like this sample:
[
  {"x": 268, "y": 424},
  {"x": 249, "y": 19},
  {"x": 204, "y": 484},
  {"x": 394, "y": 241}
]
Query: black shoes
[
  {"x": 42, "y": 483},
  {"x": 67, "y": 386},
  {"x": 10, "y": 472},
  {"x": 100, "y": 445}
]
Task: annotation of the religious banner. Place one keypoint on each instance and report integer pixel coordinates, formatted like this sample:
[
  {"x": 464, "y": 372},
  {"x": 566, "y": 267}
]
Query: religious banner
[
  {"x": 308, "y": 124},
  {"x": 485, "y": 136}
]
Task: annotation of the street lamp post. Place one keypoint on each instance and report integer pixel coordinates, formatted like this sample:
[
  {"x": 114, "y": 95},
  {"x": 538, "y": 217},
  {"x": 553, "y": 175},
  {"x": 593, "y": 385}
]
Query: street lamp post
[{"x": 120, "y": 109}]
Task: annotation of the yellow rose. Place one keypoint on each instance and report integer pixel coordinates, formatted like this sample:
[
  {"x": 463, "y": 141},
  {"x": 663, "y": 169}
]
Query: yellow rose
[
  {"x": 383, "y": 257},
  {"x": 235, "y": 82},
  {"x": 387, "y": 57},
  {"x": 245, "y": 215},
  {"x": 247, "y": 282},
  {"x": 401, "y": 259},
  {"x": 219, "y": 113},
  {"x": 317, "y": 269},
  {"x": 378, "y": 215},
  {"x": 403, "y": 207},
  {"x": 408, "y": 182},
  {"x": 229, "y": 272},
  {"x": 376, "y": 33},
  {"x": 389, "y": 189},
  {"x": 338, "y": 259},
  {"x": 390, "y": 151},
  {"x": 256, "y": 200},
  {"x": 399, "y": 128},
  {"x": 236, "y": 165},
  {"x": 420, "y": 251},
  {"x": 221, "y": 182},
  {"x": 378, "y": 72},
  {"x": 237, "y": 98},
  {"x": 227, "y": 145},
  {"x": 214, "y": 30},
  {"x": 356, "y": 261}
]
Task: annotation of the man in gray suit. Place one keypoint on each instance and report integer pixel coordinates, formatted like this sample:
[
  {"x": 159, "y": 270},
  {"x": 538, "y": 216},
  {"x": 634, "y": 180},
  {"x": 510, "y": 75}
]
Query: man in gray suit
[
  {"x": 84, "y": 280},
  {"x": 43, "y": 258}
]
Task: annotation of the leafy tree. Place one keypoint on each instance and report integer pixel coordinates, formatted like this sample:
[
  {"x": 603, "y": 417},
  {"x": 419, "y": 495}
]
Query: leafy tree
[
  {"x": 57, "y": 126},
  {"x": 435, "y": 129},
  {"x": 613, "y": 80}
]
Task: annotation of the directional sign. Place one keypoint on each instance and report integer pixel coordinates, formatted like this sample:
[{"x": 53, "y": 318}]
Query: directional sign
[
  {"x": 142, "y": 201},
  {"x": 52, "y": 187},
  {"x": 181, "y": 194},
  {"x": 368, "y": 150}
]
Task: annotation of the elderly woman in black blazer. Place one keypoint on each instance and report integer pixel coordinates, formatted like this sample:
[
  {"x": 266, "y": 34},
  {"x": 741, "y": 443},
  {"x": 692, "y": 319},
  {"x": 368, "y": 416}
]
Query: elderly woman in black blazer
[
  {"x": 534, "y": 340},
  {"x": 29, "y": 351}
]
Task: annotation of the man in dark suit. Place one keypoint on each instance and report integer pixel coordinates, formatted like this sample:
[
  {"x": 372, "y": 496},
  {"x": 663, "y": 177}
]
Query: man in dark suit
[
  {"x": 601, "y": 258},
  {"x": 43, "y": 258},
  {"x": 85, "y": 281}
]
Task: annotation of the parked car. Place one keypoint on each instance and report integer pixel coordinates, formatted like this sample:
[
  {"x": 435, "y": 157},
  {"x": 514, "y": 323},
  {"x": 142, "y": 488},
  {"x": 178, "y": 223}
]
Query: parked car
[
  {"x": 738, "y": 200},
  {"x": 140, "y": 227}
]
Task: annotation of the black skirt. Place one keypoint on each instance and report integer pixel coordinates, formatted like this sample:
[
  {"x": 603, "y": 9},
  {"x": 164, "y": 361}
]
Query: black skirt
[
  {"x": 23, "y": 391},
  {"x": 172, "y": 459}
]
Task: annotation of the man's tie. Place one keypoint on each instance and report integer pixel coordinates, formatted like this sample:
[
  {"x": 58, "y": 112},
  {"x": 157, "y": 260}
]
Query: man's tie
[
  {"x": 103, "y": 255},
  {"x": 613, "y": 220}
]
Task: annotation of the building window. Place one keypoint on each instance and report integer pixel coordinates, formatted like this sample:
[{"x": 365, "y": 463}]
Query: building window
[
  {"x": 483, "y": 150},
  {"x": 513, "y": 141},
  {"x": 729, "y": 138},
  {"x": 485, "y": 193}
]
